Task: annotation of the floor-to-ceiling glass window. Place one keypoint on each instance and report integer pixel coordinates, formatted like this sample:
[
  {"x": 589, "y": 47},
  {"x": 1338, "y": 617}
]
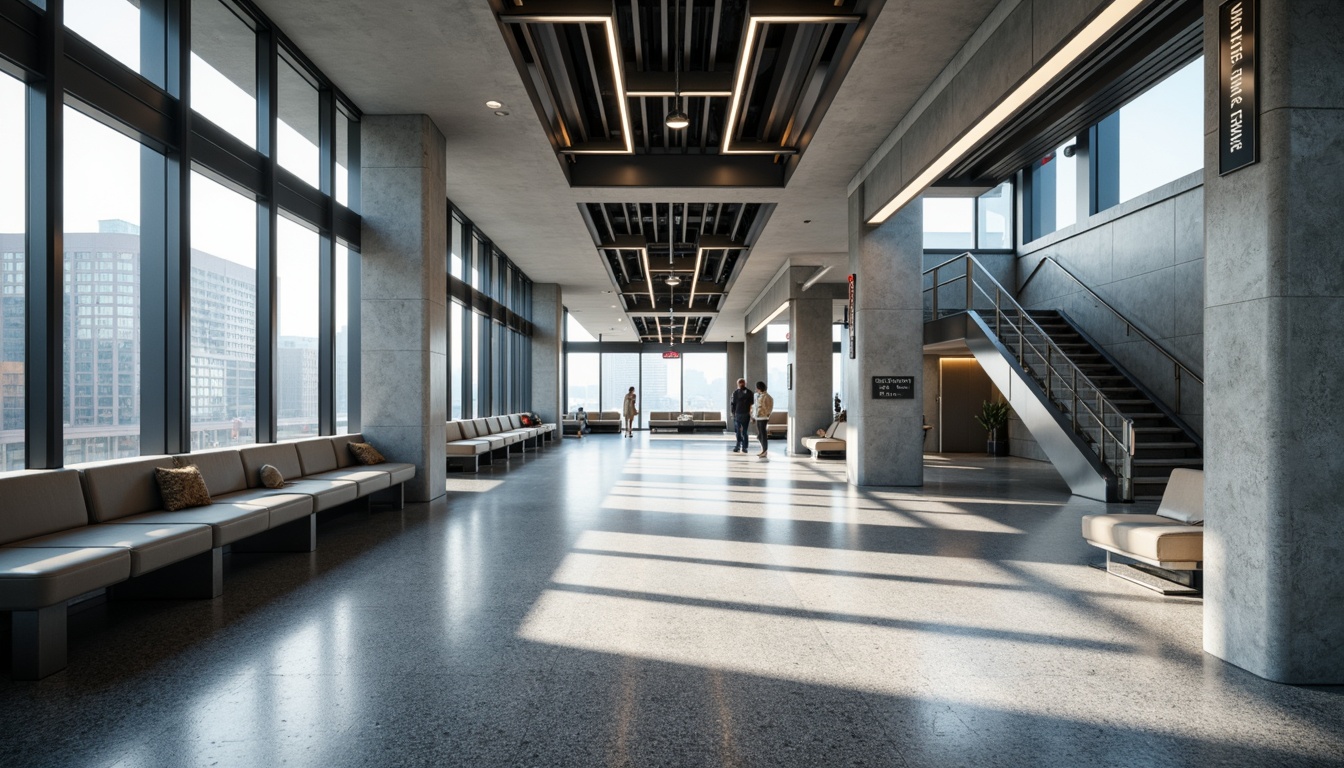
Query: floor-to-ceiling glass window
[
  {"x": 101, "y": 336},
  {"x": 660, "y": 383},
  {"x": 581, "y": 371},
  {"x": 455, "y": 359},
  {"x": 620, "y": 372},
  {"x": 297, "y": 131},
  {"x": 112, "y": 25},
  {"x": 223, "y": 315},
  {"x": 13, "y": 273},
  {"x": 777, "y": 366},
  {"x": 296, "y": 364},
  {"x": 224, "y": 68},
  {"x": 341, "y": 355},
  {"x": 477, "y": 327},
  {"x": 1162, "y": 132},
  {"x": 704, "y": 377}
]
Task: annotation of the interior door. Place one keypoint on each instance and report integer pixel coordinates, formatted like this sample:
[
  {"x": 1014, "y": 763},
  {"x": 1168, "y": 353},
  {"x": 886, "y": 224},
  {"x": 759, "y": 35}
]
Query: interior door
[{"x": 964, "y": 387}]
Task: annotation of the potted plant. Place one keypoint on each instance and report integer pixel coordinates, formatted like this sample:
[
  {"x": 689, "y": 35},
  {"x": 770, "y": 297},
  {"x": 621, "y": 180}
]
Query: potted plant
[{"x": 994, "y": 417}]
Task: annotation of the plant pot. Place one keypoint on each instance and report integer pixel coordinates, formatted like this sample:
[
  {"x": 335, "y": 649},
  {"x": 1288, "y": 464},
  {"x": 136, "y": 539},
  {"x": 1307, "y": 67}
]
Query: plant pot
[{"x": 996, "y": 447}]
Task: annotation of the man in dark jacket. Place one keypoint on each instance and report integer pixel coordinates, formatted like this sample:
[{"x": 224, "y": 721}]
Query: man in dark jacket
[{"x": 741, "y": 408}]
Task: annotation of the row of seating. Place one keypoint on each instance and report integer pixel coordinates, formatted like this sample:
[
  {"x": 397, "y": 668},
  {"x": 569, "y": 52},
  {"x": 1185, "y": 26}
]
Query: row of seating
[
  {"x": 832, "y": 443},
  {"x": 471, "y": 441},
  {"x": 699, "y": 420},
  {"x": 598, "y": 421},
  {"x": 66, "y": 533}
]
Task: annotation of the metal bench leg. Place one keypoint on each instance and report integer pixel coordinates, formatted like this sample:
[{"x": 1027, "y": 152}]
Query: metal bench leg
[{"x": 39, "y": 642}]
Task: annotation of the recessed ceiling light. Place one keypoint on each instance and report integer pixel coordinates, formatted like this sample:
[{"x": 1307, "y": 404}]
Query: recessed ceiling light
[
  {"x": 613, "y": 306},
  {"x": 501, "y": 113},
  {"x": 492, "y": 104}
]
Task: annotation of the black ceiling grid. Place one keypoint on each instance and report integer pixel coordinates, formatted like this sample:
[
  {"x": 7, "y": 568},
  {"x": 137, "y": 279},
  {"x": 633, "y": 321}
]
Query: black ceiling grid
[
  {"x": 792, "y": 70},
  {"x": 700, "y": 246}
]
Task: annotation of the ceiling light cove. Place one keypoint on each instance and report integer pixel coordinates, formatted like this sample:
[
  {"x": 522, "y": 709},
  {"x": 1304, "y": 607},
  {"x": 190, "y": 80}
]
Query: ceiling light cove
[
  {"x": 648, "y": 93},
  {"x": 674, "y": 263}
]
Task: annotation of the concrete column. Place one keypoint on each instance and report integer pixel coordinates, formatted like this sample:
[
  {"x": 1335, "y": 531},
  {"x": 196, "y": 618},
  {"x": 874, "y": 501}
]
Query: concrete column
[
  {"x": 810, "y": 355},
  {"x": 757, "y": 364},
  {"x": 884, "y": 435},
  {"x": 404, "y": 338},
  {"x": 548, "y": 318},
  {"x": 736, "y": 365},
  {"x": 1274, "y": 325}
]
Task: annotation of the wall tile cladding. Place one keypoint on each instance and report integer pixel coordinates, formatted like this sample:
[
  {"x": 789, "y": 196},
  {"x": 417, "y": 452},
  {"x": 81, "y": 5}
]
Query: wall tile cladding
[{"x": 1133, "y": 262}]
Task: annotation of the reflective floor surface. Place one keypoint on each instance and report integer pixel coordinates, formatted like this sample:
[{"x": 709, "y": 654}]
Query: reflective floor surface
[{"x": 663, "y": 602}]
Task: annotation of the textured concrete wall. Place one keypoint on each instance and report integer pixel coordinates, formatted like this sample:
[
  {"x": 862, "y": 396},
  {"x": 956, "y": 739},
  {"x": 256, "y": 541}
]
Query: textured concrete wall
[
  {"x": 884, "y": 436},
  {"x": 756, "y": 361},
  {"x": 1014, "y": 39},
  {"x": 810, "y": 345},
  {"x": 737, "y": 352},
  {"x": 1274, "y": 319},
  {"x": 1145, "y": 257},
  {"x": 548, "y": 322},
  {"x": 404, "y": 338}
]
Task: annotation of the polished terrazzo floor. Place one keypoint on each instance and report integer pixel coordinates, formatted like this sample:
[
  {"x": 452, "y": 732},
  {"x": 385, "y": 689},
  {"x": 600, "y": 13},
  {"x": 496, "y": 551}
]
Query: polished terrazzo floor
[{"x": 662, "y": 602}]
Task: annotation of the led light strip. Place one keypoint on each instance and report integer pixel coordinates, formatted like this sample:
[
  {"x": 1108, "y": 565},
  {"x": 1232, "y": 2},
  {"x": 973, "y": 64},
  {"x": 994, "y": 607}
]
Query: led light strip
[
  {"x": 695, "y": 277},
  {"x": 1106, "y": 21},
  {"x": 648, "y": 277},
  {"x": 613, "y": 49},
  {"x": 744, "y": 63}
]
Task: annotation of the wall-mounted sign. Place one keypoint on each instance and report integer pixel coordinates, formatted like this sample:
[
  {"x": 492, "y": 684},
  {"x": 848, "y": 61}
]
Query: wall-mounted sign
[
  {"x": 853, "y": 320},
  {"x": 893, "y": 387},
  {"x": 671, "y": 355},
  {"x": 1238, "y": 107}
]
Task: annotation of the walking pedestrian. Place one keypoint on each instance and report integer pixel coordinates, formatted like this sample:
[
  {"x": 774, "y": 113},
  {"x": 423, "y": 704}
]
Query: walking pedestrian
[
  {"x": 740, "y": 407},
  {"x": 765, "y": 405},
  {"x": 629, "y": 411}
]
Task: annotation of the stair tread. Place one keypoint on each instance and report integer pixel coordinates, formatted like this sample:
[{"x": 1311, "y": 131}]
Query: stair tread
[{"x": 1167, "y": 462}]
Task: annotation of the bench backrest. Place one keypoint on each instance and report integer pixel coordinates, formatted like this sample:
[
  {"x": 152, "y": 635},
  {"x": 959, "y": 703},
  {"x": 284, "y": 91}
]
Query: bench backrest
[
  {"x": 452, "y": 432},
  {"x": 1184, "y": 498},
  {"x": 122, "y": 487},
  {"x": 779, "y": 417},
  {"x": 496, "y": 426},
  {"x": 515, "y": 421},
  {"x": 221, "y": 469},
  {"x": 482, "y": 427},
  {"x": 841, "y": 431},
  {"x": 316, "y": 455},
  {"x": 340, "y": 444},
  {"x": 36, "y": 502},
  {"x": 282, "y": 456}
]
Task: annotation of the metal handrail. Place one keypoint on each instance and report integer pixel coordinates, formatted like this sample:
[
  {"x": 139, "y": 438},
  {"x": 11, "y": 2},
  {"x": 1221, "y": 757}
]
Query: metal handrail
[
  {"x": 1178, "y": 366},
  {"x": 1069, "y": 376}
]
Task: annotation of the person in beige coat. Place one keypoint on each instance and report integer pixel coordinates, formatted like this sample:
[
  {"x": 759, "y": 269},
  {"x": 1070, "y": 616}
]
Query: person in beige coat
[
  {"x": 765, "y": 405},
  {"x": 629, "y": 412}
]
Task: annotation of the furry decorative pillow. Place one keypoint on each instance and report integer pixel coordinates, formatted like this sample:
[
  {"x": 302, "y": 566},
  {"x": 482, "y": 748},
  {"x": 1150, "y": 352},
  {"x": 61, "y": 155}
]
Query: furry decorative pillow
[
  {"x": 271, "y": 477},
  {"x": 366, "y": 454},
  {"x": 182, "y": 487}
]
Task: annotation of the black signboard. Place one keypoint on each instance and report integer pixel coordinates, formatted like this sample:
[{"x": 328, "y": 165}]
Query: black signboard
[
  {"x": 853, "y": 321},
  {"x": 1238, "y": 107},
  {"x": 893, "y": 387}
]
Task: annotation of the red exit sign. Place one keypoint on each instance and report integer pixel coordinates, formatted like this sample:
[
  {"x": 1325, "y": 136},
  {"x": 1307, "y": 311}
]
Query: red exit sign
[{"x": 671, "y": 355}]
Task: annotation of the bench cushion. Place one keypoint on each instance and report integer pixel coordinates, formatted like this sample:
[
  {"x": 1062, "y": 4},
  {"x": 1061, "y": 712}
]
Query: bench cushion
[
  {"x": 281, "y": 505},
  {"x": 122, "y": 487},
  {"x": 1147, "y": 537},
  {"x": 222, "y": 470},
  {"x": 398, "y": 472},
  {"x": 228, "y": 521},
  {"x": 467, "y": 447},
  {"x": 367, "y": 481},
  {"x": 282, "y": 456},
  {"x": 316, "y": 456},
  {"x": 151, "y": 546},
  {"x": 39, "y": 577},
  {"x": 1183, "y": 500},
  {"x": 823, "y": 444},
  {"x": 326, "y": 494},
  {"x": 38, "y": 502}
]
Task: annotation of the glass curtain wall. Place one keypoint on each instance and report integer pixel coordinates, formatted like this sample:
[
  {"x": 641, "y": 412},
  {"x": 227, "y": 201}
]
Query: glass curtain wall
[
  {"x": 223, "y": 315},
  {"x": 620, "y": 371},
  {"x": 13, "y": 271},
  {"x": 659, "y": 385},
  {"x": 111, "y": 384},
  {"x": 100, "y": 383},
  {"x": 959, "y": 224},
  {"x": 705, "y": 381}
]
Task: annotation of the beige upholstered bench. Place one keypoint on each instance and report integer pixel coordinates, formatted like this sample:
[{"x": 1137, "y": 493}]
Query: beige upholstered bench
[
  {"x": 777, "y": 425},
  {"x": 1170, "y": 542},
  {"x": 833, "y": 443}
]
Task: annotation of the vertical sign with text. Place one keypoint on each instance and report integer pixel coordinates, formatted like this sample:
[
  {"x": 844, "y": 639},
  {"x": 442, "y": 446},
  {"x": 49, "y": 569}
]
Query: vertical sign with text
[
  {"x": 853, "y": 321},
  {"x": 1238, "y": 107}
]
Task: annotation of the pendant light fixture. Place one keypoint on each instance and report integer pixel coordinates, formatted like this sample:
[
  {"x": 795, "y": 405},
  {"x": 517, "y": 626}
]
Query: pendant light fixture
[{"x": 676, "y": 119}]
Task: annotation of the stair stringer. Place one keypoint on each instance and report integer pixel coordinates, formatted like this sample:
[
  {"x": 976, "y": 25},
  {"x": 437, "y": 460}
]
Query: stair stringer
[{"x": 1075, "y": 461}]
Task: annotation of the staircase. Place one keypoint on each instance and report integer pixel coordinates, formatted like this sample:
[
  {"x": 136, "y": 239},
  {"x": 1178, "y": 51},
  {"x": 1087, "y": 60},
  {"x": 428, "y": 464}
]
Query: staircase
[
  {"x": 1108, "y": 436},
  {"x": 1161, "y": 441}
]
